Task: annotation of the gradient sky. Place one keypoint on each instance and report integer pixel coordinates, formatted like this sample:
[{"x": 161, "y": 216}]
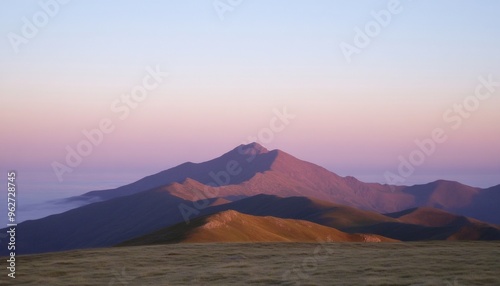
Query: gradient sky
[{"x": 226, "y": 77}]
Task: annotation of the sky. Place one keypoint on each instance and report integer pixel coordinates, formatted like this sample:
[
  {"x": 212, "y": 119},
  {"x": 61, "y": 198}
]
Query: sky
[{"x": 232, "y": 66}]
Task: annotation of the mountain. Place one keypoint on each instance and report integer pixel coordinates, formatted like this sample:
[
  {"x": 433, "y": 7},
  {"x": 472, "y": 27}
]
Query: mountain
[
  {"x": 450, "y": 226},
  {"x": 232, "y": 226},
  {"x": 111, "y": 222},
  {"x": 427, "y": 216},
  {"x": 431, "y": 224},
  {"x": 254, "y": 181},
  {"x": 409, "y": 225},
  {"x": 303, "y": 208},
  {"x": 484, "y": 206},
  {"x": 251, "y": 169},
  {"x": 251, "y": 158},
  {"x": 107, "y": 223}
]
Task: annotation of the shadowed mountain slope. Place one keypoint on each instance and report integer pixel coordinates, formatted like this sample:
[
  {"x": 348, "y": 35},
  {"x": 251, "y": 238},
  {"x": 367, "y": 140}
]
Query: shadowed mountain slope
[
  {"x": 99, "y": 224},
  {"x": 484, "y": 206},
  {"x": 432, "y": 224},
  {"x": 409, "y": 225}
]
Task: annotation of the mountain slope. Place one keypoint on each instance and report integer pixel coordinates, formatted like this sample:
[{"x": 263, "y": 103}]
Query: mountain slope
[
  {"x": 427, "y": 216},
  {"x": 232, "y": 226},
  {"x": 484, "y": 206},
  {"x": 110, "y": 222},
  {"x": 107, "y": 223},
  {"x": 431, "y": 224},
  {"x": 452, "y": 227},
  {"x": 251, "y": 158},
  {"x": 303, "y": 208},
  {"x": 251, "y": 169},
  {"x": 99, "y": 224},
  {"x": 409, "y": 225}
]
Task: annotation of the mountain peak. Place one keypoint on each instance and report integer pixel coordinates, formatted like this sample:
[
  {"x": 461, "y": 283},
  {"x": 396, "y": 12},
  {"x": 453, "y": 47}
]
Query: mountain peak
[
  {"x": 252, "y": 148},
  {"x": 222, "y": 219}
]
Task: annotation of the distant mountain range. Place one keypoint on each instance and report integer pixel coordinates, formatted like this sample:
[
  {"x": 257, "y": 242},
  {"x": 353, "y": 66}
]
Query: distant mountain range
[{"x": 264, "y": 187}]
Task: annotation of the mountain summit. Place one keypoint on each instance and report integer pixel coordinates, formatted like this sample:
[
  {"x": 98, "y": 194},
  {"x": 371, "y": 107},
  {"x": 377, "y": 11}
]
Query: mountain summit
[
  {"x": 250, "y": 159},
  {"x": 252, "y": 148}
]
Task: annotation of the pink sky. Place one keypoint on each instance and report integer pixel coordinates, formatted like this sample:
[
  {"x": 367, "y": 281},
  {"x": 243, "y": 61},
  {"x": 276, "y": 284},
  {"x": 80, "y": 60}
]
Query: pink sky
[{"x": 360, "y": 138}]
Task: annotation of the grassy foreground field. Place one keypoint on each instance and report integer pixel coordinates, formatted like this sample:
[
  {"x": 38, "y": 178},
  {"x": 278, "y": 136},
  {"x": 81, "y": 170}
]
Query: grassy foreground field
[{"x": 422, "y": 263}]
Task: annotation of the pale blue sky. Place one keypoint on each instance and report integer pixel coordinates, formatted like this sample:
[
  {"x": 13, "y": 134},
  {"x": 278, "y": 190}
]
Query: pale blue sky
[{"x": 292, "y": 38}]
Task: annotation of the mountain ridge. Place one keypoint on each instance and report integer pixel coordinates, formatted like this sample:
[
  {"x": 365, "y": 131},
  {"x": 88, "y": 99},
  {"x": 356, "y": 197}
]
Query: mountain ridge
[
  {"x": 259, "y": 182},
  {"x": 233, "y": 226},
  {"x": 246, "y": 169}
]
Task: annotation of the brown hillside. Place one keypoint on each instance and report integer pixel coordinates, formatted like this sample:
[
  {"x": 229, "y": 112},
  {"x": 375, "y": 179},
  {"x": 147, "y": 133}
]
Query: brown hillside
[{"x": 232, "y": 226}]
